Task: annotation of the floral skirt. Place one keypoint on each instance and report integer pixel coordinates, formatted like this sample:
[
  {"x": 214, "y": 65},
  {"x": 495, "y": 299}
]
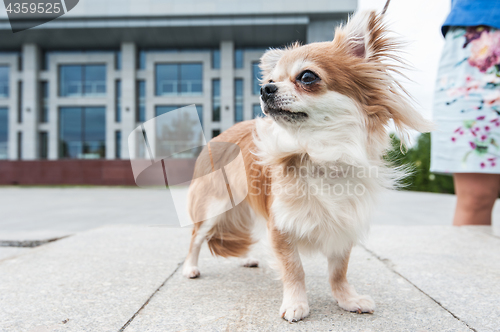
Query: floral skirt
[{"x": 467, "y": 103}]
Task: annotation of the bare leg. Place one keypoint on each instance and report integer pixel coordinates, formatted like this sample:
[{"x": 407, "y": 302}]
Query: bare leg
[
  {"x": 295, "y": 305},
  {"x": 476, "y": 195},
  {"x": 343, "y": 292}
]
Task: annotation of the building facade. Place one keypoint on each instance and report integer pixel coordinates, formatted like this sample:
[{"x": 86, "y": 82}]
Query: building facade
[{"x": 75, "y": 87}]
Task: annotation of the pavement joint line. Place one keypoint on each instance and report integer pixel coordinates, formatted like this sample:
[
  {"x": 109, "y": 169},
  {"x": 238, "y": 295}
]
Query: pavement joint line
[
  {"x": 30, "y": 243},
  {"x": 493, "y": 235},
  {"x": 149, "y": 299},
  {"x": 389, "y": 265}
]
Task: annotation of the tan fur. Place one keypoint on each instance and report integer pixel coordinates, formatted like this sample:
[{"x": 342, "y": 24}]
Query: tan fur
[
  {"x": 231, "y": 236},
  {"x": 338, "y": 120}
]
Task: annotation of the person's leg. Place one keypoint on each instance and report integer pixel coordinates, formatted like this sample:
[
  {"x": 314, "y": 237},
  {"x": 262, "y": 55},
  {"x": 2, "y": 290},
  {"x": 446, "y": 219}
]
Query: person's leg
[{"x": 476, "y": 195}]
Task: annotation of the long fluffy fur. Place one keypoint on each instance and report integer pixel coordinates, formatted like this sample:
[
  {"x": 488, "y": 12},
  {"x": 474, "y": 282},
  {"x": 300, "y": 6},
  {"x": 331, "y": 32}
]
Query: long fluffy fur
[{"x": 340, "y": 144}]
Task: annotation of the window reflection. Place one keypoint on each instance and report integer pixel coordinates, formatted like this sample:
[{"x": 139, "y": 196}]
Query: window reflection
[
  {"x": 216, "y": 100},
  {"x": 82, "y": 132},
  {"x": 4, "y": 81},
  {"x": 257, "y": 111},
  {"x": 216, "y": 59},
  {"x": 238, "y": 100},
  {"x": 4, "y": 132},
  {"x": 238, "y": 58},
  {"x": 118, "y": 144},
  {"x": 82, "y": 80},
  {"x": 44, "y": 102},
  {"x": 141, "y": 101},
  {"x": 118, "y": 101},
  {"x": 44, "y": 145},
  {"x": 179, "y": 79},
  {"x": 256, "y": 77}
]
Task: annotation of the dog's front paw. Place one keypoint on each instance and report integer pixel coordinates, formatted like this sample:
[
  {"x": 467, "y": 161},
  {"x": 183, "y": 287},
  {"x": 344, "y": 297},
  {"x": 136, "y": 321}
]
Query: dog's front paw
[
  {"x": 191, "y": 272},
  {"x": 359, "y": 304},
  {"x": 293, "y": 312}
]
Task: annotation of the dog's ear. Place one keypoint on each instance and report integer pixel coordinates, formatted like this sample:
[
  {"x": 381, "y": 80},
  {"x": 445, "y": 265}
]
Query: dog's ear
[
  {"x": 365, "y": 36},
  {"x": 269, "y": 60}
]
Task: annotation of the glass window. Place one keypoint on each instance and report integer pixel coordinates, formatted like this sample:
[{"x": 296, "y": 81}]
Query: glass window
[
  {"x": 167, "y": 79},
  {"x": 20, "y": 100},
  {"x": 70, "y": 81},
  {"x": 4, "y": 132},
  {"x": 179, "y": 79},
  {"x": 141, "y": 60},
  {"x": 140, "y": 115},
  {"x": 238, "y": 58},
  {"x": 216, "y": 59},
  {"x": 238, "y": 100},
  {"x": 118, "y": 60},
  {"x": 118, "y": 144},
  {"x": 44, "y": 145},
  {"x": 85, "y": 80},
  {"x": 216, "y": 100},
  {"x": 256, "y": 77},
  {"x": 94, "y": 80},
  {"x": 82, "y": 132},
  {"x": 4, "y": 81},
  {"x": 215, "y": 133},
  {"x": 19, "y": 145},
  {"x": 118, "y": 101},
  {"x": 44, "y": 102},
  {"x": 191, "y": 75},
  {"x": 257, "y": 111}
]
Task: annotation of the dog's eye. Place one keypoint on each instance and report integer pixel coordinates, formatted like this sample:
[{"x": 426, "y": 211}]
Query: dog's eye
[{"x": 308, "y": 77}]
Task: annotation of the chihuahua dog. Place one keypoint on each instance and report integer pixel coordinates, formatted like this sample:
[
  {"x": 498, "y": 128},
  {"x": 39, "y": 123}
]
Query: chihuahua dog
[{"x": 314, "y": 165}]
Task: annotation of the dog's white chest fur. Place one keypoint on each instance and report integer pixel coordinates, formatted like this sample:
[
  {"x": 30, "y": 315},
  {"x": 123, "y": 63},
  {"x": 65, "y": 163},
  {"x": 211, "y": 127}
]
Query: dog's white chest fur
[
  {"x": 323, "y": 203},
  {"x": 324, "y": 210}
]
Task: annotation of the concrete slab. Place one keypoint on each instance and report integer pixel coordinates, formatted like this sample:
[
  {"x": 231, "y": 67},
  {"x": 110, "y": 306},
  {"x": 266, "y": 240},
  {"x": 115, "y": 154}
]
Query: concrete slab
[
  {"x": 228, "y": 297},
  {"x": 457, "y": 267},
  {"x": 11, "y": 252},
  {"x": 78, "y": 209},
  {"x": 93, "y": 281}
]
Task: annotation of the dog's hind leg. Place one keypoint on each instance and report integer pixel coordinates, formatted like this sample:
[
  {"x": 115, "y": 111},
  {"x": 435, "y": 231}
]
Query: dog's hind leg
[
  {"x": 190, "y": 268},
  {"x": 200, "y": 233},
  {"x": 345, "y": 294}
]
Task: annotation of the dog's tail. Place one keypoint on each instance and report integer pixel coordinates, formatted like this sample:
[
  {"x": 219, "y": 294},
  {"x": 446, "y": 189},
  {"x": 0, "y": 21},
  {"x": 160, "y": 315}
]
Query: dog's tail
[{"x": 231, "y": 235}]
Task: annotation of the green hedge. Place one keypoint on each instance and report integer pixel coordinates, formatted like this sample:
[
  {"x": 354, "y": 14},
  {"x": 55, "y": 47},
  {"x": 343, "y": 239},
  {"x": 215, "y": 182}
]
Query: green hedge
[{"x": 419, "y": 159}]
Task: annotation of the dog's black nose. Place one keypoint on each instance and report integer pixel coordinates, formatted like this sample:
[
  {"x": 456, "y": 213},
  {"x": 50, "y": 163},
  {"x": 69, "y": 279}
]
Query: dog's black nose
[{"x": 268, "y": 91}]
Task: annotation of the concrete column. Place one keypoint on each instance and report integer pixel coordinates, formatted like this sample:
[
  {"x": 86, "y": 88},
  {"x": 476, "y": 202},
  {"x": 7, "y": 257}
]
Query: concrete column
[
  {"x": 227, "y": 84},
  {"x": 129, "y": 54},
  {"x": 31, "y": 64}
]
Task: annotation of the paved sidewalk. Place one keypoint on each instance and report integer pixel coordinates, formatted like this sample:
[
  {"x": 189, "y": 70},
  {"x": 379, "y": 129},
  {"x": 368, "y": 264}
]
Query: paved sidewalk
[
  {"x": 77, "y": 209},
  {"x": 423, "y": 278},
  {"x": 99, "y": 275}
]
